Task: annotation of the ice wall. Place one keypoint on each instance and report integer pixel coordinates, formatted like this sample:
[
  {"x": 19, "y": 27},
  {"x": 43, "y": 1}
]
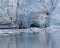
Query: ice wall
[
  {"x": 37, "y": 13},
  {"x": 7, "y": 13},
  {"x": 28, "y": 13},
  {"x": 55, "y": 16},
  {"x": 33, "y": 12}
]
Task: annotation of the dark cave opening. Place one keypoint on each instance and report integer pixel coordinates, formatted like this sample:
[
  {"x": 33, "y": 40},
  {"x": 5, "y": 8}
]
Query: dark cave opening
[{"x": 35, "y": 25}]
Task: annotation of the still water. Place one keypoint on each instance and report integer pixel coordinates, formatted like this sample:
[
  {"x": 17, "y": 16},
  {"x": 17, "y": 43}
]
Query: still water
[
  {"x": 28, "y": 41},
  {"x": 33, "y": 40}
]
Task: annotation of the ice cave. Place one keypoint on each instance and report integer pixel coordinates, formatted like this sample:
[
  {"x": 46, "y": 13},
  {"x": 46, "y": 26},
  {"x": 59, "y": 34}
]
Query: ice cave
[{"x": 29, "y": 23}]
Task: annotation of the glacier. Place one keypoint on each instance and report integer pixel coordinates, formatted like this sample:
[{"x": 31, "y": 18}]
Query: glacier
[{"x": 29, "y": 24}]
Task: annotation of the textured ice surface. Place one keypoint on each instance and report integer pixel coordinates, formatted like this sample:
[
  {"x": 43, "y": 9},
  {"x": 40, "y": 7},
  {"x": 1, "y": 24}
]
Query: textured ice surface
[
  {"x": 38, "y": 13},
  {"x": 29, "y": 13},
  {"x": 7, "y": 11},
  {"x": 33, "y": 12},
  {"x": 55, "y": 16}
]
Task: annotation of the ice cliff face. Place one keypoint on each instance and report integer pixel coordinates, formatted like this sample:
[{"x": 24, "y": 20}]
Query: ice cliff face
[
  {"x": 27, "y": 13},
  {"x": 33, "y": 13},
  {"x": 37, "y": 13},
  {"x": 55, "y": 19}
]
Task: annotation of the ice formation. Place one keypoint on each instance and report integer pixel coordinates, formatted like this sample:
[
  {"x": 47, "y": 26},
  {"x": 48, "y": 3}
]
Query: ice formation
[{"x": 31, "y": 23}]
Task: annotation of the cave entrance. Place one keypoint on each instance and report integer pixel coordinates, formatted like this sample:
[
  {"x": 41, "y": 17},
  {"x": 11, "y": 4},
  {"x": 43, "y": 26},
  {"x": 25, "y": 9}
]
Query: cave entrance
[{"x": 34, "y": 25}]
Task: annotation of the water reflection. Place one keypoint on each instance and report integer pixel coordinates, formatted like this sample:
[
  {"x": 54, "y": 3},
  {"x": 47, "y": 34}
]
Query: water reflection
[
  {"x": 4, "y": 41},
  {"x": 30, "y": 42}
]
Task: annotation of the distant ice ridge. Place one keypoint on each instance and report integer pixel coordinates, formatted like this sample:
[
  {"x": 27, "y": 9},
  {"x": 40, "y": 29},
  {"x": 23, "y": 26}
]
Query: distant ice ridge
[{"x": 33, "y": 13}]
